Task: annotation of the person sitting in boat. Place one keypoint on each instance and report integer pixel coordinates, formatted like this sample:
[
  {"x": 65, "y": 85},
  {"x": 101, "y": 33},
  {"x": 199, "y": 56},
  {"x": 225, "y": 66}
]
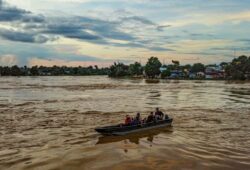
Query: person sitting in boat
[
  {"x": 136, "y": 120},
  {"x": 159, "y": 114},
  {"x": 150, "y": 117},
  {"x": 138, "y": 117},
  {"x": 166, "y": 116},
  {"x": 128, "y": 120}
]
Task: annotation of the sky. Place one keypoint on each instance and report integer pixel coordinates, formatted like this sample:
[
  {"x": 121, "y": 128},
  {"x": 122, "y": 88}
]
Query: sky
[{"x": 100, "y": 32}]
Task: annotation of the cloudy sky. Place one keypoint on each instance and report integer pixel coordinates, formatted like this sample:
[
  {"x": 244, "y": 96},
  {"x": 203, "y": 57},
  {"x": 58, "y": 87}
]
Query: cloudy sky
[{"x": 87, "y": 32}]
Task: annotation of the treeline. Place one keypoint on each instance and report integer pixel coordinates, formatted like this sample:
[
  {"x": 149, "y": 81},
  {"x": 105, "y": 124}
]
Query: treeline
[
  {"x": 121, "y": 70},
  {"x": 153, "y": 69},
  {"x": 238, "y": 69},
  {"x": 52, "y": 71}
]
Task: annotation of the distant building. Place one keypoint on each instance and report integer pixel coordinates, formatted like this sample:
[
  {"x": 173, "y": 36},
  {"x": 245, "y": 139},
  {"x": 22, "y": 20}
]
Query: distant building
[
  {"x": 198, "y": 75},
  {"x": 163, "y": 69},
  {"x": 214, "y": 72},
  {"x": 192, "y": 75},
  {"x": 176, "y": 74},
  {"x": 67, "y": 72}
]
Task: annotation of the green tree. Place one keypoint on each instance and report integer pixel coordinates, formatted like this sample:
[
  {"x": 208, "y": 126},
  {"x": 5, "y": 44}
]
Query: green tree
[
  {"x": 238, "y": 68},
  {"x": 197, "y": 67},
  {"x": 5, "y": 71},
  {"x": 152, "y": 67},
  {"x": 165, "y": 73},
  {"x": 75, "y": 70},
  {"x": 25, "y": 71},
  {"x": 34, "y": 71},
  {"x": 223, "y": 65},
  {"x": 186, "y": 67},
  {"x": 119, "y": 70},
  {"x": 135, "y": 69},
  {"x": 16, "y": 71},
  {"x": 176, "y": 64},
  {"x": 248, "y": 65}
]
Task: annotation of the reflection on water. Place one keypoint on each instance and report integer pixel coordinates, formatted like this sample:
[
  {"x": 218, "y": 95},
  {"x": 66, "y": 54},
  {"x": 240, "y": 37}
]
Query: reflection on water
[
  {"x": 135, "y": 137},
  {"x": 153, "y": 81},
  {"x": 48, "y": 123}
]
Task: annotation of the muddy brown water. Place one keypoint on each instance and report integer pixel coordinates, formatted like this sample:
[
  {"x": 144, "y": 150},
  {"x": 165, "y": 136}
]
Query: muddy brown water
[{"x": 48, "y": 123}]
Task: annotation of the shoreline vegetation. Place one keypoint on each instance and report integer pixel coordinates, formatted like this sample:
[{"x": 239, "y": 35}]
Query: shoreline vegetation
[
  {"x": 237, "y": 69},
  {"x": 52, "y": 71}
]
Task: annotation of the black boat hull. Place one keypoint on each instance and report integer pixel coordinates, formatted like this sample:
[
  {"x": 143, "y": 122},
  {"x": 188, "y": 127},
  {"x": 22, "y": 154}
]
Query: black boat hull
[{"x": 123, "y": 130}]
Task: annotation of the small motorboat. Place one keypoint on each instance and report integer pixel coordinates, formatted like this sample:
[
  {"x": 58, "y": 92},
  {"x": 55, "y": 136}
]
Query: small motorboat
[{"x": 127, "y": 129}]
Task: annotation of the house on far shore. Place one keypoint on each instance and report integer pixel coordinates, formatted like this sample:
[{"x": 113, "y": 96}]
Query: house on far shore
[
  {"x": 198, "y": 75},
  {"x": 163, "y": 69},
  {"x": 214, "y": 72},
  {"x": 177, "y": 74}
]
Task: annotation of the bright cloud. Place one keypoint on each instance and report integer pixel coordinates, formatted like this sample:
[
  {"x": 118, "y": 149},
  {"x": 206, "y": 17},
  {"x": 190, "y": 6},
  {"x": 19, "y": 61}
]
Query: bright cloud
[
  {"x": 43, "y": 62},
  {"x": 211, "y": 19},
  {"x": 8, "y": 60}
]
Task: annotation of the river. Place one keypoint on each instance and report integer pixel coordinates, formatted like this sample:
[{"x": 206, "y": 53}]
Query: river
[{"x": 48, "y": 123}]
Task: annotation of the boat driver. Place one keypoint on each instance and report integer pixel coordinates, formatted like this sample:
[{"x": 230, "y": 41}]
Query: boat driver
[{"x": 159, "y": 114}]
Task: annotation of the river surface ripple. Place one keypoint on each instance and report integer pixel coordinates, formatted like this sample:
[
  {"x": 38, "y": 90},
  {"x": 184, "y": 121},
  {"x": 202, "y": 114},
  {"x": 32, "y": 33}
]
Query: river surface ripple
[{"x": 48, "y": 123}]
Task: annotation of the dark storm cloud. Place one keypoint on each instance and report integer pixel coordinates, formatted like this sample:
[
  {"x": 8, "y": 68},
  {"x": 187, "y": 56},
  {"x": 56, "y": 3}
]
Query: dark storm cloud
[
  {"x": 10, "y": 13},
  {"x": 84, "y": 28},
  {"x": 69, "y": 30},
  {"x": 33, "y": 18},
  {"x": 106, "y": 29},
  {"x": 162, "y": 27},
  {"x": 22, "y": 36},
  {"x": 71, "y": 27},
  {"x": 33, "y": 28},
  {"x": 139, "y": 19}
]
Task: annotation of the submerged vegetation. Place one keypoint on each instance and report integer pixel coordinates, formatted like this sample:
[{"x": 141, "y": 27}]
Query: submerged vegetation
[{"x": 238, "y": 69}]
